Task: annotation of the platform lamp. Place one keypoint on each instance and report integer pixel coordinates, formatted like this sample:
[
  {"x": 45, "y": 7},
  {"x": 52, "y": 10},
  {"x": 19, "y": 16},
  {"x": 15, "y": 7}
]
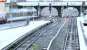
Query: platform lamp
[
  {"x": 67, "y": 7},
  {"x": 67, "y": 4},
  {"x": 38, "y": 10},
  {"x": 27, "y": 20},
  {"x": 62, "y": 8},
  {"x": 81, "y": 10},
  {"x": 33, "y": 13},
  {"x": 50, "y": 9},
  {"x": 83, "y": 7}
]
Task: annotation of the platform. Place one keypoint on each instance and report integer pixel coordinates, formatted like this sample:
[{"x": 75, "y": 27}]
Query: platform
[
  {"x": 11, "y": 35},
  {"x": 82, "y": 31}
]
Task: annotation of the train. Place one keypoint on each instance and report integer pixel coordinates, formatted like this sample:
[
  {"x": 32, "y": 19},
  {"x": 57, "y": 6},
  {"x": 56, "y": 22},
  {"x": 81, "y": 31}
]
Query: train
[
  {"x": 84, "y": 21},
  {"x": 3, "y": 18},
  {"x": 21, "y": 14},
  {"x": 17, "y": 14}
]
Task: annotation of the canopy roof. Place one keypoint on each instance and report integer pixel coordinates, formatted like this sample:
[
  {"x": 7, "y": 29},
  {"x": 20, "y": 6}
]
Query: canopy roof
[
  {"x": 22, "y": 10},
  {"x": 40, "y": 0},
  {"x": 53, "y": 3},
  {"x": 56, "y": 0}
]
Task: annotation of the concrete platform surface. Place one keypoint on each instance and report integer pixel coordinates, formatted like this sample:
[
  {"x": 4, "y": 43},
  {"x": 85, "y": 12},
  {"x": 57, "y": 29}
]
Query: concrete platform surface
[
  {"x": 82, "y": 31},
  {"x": 10, "y": 35}
]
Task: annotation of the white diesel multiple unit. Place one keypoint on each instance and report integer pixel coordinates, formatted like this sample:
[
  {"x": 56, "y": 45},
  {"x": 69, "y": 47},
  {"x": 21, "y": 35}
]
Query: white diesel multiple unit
[{"x": 84, "y": 20}]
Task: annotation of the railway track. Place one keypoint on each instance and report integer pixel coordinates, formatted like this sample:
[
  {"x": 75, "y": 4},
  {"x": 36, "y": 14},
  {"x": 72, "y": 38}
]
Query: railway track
[
  {"x": 25, "y": 43},
  {"x": 48, "y": 33},
  {"x": 58, "y": 42},
  {"x": 72, "y": 40},
  {"x": 43, "y": 32},
  {"x": 28, "y": 42},
  {"x": 67, "y": 39}
]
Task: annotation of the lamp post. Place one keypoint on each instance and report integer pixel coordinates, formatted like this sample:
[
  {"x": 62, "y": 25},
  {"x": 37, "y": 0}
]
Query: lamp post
[
  {"x": 38, "y": 13},
  {"x": 50, "y": 11},
  {"x": 67, "y": 9},
  {"x": 62, "y": 8},
  {"x": 33, "y": 14},
  {"x": 50, "y": 8},
  {"x": 83, "y": 6},
  {"x": 27, "y": 20}
]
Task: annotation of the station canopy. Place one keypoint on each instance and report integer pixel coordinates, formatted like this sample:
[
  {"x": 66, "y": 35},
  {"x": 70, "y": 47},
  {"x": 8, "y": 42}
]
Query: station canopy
[
  {"x": 54, "y": 2},
  {"x": 22, "y": 10}
]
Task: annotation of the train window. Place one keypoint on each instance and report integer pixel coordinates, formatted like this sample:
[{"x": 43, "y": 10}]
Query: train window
[
  {"x": 19, "y": 7},
  {"x": 85, "y": 24},
  {"x": 13, "y": 20},
  {"x": 2, "y": 16},
  {"x": 3, "y": 20}
]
